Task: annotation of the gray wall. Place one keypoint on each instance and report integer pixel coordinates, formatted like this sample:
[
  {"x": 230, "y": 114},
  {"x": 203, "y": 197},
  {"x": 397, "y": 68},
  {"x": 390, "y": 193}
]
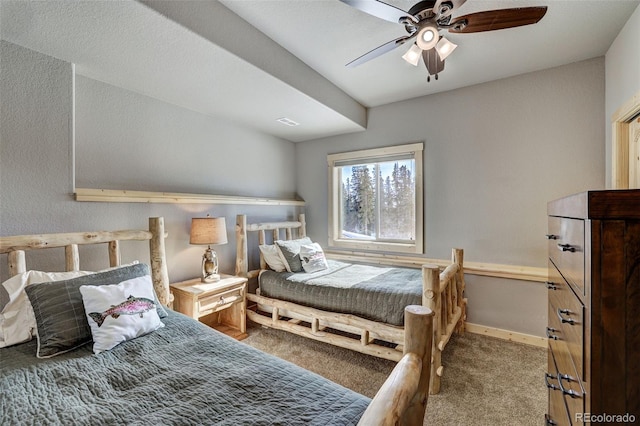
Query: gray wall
[
  {"x": 124, "y": 141},
  {"x": 622, "y": 74},
  {"x": 495, "y": 154}
]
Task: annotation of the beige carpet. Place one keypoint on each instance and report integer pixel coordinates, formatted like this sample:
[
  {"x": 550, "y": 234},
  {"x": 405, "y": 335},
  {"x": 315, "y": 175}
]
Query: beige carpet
[{"x": 486, "y": 381}]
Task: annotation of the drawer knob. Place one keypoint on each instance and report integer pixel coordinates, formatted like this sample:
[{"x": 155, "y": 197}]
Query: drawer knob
[
  {"x": 570, "y": 392},
  {"x": 548, "y": 420},
  {"x": 566, "y": 247},
  {"x": 562, "y": 312},
  {"x": 552, "y": 336},
  {"x": 551, "y": 285},
  {"x": 552, "y": 237}
]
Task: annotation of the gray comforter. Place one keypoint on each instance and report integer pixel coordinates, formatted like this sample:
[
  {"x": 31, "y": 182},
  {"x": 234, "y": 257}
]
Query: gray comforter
[
  {"x": 182, "y": 374},
  {"x": 372, "y": 292}
]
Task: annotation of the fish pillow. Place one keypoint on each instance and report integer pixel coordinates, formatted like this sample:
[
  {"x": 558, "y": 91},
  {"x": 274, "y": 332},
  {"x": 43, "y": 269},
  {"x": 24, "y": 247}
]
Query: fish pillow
[{"x": 120, "y": 312}]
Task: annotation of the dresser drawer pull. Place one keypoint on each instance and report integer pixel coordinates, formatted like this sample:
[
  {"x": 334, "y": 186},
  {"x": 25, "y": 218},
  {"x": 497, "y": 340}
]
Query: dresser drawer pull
[
  {"x": 566, "y": 247},
  {"x": 570, "y": 392},
  {"x": 551, "y": 386},
  {"x": 549, "y": 421},
  {"x": 552, "y": 237},
  {"x": 551, "y": 285},
  {"x": 562, "y": 312},
  {"x": 552, "y": 336}
]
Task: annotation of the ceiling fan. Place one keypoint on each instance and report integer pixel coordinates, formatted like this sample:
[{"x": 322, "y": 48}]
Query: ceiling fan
[{"x": 426, "y": 18}]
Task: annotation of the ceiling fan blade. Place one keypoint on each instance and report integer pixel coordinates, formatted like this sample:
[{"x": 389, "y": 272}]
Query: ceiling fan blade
[
  {"x": 455, "y": 4},
  {"x": 379, "y": 9},
  {"x": 432, "y": 61},
  {"x": 497, "y": 19},
  {"x": 380, "y": 50}
]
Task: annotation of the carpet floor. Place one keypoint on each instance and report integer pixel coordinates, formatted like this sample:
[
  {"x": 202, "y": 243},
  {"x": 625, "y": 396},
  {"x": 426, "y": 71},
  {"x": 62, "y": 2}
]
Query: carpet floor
[{"x": 486, "y": 381}]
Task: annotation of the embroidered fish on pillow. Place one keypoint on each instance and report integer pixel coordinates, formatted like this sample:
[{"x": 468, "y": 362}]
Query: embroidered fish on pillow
[{"x": 131, "y": 306}]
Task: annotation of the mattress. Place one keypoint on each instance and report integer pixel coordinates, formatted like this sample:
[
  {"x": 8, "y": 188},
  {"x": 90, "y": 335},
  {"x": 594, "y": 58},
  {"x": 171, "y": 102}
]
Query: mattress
[
  {"x": 371, "y": 292},
  {"x": 182, "y": 374}
]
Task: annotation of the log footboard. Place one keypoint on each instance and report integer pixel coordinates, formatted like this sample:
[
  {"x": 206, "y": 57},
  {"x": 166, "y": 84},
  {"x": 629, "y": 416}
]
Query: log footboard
[{"x": 443, "y": 294}]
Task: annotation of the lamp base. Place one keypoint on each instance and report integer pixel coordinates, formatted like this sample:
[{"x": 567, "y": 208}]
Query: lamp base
[{"x": 212, "y": 278}]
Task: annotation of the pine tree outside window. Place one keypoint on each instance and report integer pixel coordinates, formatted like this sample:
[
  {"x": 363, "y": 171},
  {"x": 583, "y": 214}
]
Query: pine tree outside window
[{"x": 376, "y": 199}]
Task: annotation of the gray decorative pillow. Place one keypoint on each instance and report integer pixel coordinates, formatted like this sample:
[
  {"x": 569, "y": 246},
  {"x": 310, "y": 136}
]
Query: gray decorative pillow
[
  {"x": 60, "y": 317},
  {"x": 290, "y": 253}
]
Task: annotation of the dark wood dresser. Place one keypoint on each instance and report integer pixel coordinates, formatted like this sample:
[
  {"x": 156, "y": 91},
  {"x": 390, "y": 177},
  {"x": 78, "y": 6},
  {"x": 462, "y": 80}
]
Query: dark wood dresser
[{"x": 594, "y": 308}]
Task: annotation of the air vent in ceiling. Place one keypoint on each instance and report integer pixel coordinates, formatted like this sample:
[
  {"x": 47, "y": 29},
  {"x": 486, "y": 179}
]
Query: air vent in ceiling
[{"x": 287, "y": 121}]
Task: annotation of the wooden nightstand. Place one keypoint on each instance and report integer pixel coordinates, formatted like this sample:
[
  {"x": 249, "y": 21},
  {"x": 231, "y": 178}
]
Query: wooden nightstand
[{"x": 221, "y": 305}]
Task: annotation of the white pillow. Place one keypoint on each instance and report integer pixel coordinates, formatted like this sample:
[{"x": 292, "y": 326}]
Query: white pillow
[
  {"x": 17, "y": 321},
  {"x": 120, "y": 312},
  {"x": 272, "y": 257},
  {"x": 312, "y": 258}
]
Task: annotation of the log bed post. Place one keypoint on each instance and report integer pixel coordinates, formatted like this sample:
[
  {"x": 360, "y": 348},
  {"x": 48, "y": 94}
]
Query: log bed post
[
  {"x": 402, "y": 399},
  {"x": 431, "y": 299},
  {"x": 72, "y": 257},
  {"x": 159, "y": 272},
  {"x": 114, "y": 253},
  {"x": 457, "y": 256},
  {"x": 303, "y": 226},
  {"x": 17, "y": 262},
  {"x": 242, "y": 266}
]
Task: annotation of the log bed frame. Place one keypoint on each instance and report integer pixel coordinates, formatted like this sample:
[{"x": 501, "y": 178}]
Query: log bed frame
[
  {"x": 402, "y": 399},
  {"x": 443, "y": 294}
]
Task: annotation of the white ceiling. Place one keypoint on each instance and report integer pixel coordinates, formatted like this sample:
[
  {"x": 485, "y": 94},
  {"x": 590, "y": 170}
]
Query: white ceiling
[{"x": 214, "y": 57}]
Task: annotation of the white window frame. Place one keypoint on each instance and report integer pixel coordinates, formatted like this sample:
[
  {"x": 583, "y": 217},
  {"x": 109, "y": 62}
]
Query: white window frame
[{"x": 376, "y": 154}]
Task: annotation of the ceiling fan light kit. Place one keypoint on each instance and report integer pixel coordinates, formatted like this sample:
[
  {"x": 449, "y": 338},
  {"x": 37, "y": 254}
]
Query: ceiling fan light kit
[
  {"x": 428, "y": 36},
  {"x": 426, "y": 18},
  {"x": 445, "y": 48},
  {"x": 413, "y": 55}
]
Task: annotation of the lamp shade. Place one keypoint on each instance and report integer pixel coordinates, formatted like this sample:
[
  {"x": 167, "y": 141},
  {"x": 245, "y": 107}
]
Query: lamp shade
[{"x": 208, "y": 230}]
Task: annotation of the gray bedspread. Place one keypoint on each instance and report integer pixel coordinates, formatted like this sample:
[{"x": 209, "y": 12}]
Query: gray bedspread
[
  {"x": 182, "y": 374},
  {"x": 372, "y": 292}
]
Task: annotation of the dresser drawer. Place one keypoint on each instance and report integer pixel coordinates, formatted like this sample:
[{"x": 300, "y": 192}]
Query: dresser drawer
[
  {"x": 566, "y": 249},
  {"x": 566, "y": 319},
  {"x": 558, "y": 414},
  {"x": 216, "y": 302},
  {"x": 569, "y": 383}
]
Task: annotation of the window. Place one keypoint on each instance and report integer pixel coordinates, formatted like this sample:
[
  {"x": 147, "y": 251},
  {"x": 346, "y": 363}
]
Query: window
[{"x": 375, "y": 200}]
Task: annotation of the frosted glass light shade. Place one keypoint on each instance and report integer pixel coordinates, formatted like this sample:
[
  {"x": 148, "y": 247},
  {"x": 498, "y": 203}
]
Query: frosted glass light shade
[
  {"x": 413, "y": 55},
  {"x": 445, "y": 47}
]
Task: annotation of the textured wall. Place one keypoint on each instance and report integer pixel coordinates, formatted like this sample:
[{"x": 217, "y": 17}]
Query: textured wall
[
  {"x": 128, "y": 141},
  {"x": 495, "y": 154}
]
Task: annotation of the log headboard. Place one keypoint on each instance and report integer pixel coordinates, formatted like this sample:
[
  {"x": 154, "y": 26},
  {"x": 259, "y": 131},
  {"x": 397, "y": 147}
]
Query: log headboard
[
  {"x": 16, "y": 246},
  {"x": 291, "y": 229}
]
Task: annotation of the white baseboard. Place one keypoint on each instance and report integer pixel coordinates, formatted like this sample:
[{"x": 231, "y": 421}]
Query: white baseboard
[{"x": 512, "y": 336}]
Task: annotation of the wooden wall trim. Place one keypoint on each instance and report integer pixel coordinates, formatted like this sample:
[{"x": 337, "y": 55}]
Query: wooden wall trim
[
  {"x": 512, "y": 336},
  {"x": 523, "y": 273},
  {"x": 126, "y": 196}
]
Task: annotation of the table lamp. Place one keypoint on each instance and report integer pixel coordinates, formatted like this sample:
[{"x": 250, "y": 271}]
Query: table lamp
[{"x": 209, "y": 230}]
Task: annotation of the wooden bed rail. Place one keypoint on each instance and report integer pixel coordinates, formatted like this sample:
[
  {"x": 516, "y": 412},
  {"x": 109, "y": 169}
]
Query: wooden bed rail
[
  {"x": 402, "y": 399},
  {"x": 16, "y": 246}
]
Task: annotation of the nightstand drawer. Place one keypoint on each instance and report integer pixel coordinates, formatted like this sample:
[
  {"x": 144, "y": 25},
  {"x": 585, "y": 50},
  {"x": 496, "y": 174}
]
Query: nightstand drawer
[
  {"x": 220, "y": 304},
  {"x": 216, "y": 302}
]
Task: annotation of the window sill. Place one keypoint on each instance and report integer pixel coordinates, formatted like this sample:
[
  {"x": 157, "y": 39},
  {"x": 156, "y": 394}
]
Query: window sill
[{"x": 377, "y": 246}]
